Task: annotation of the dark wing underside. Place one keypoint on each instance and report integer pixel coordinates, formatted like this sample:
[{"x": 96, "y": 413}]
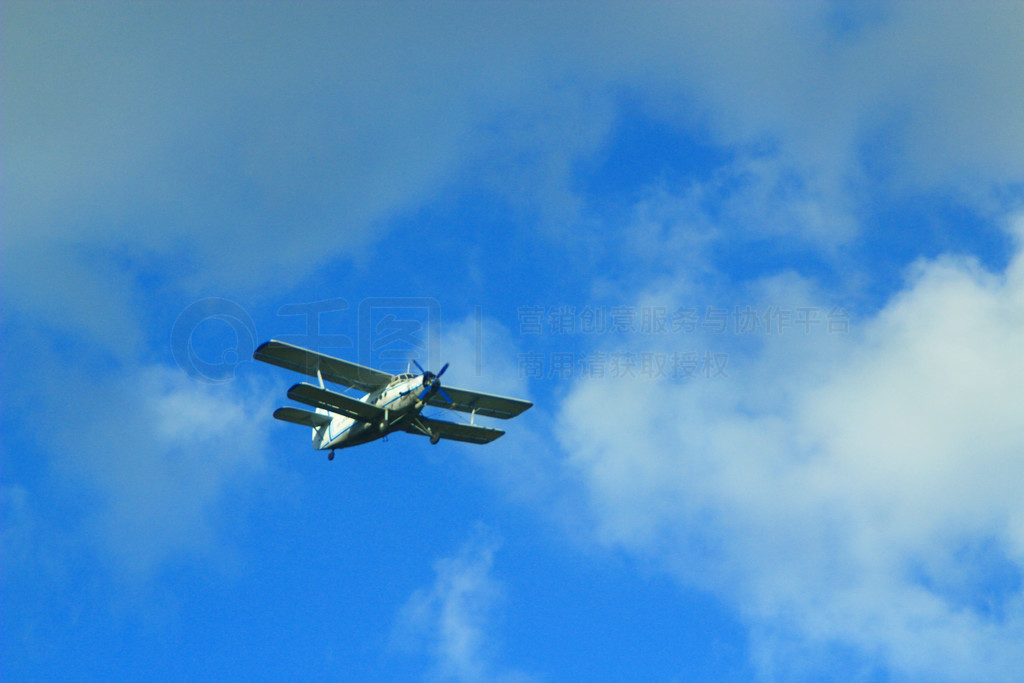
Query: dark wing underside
[
  {"x": 301, "y": 417},
  {"x": 332, "y": 369},
  {"x": 453, "y": 430},
  {"x": 335, "y": 402},
  {"x": 488, "y": 405}
]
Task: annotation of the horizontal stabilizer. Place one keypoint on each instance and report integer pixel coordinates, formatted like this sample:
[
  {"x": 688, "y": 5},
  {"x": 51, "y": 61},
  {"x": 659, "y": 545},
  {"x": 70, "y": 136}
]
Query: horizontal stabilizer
[
  {"x": 302, "y": 417},
  {"x": 335, "y": 402}
]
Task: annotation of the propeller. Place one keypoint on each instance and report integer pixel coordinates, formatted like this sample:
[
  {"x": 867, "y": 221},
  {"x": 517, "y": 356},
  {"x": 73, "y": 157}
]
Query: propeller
[{"x": 432, "y": 383}]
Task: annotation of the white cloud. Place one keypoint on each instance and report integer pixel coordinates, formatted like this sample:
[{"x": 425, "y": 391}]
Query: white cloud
[
  {"x": 828, "y": 108},
  {"x": 948, "y": 74},
  {"x": 238, "y": 137},
  {"x": 454, "y": 619},
  {"x": 235, "y": 147},
  {"x": 762, "y": 197},
  {"x": 156, "y": 455},
  {"x": 859, "y": 495}
]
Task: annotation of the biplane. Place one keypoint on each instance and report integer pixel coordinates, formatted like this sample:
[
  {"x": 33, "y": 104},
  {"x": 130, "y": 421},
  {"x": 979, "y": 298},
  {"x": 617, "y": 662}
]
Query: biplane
[{"x": 390, "y": 403}]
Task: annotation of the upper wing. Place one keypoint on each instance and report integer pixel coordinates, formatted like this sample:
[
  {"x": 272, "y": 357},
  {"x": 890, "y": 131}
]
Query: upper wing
[
  {"x": 337, "y": 403},
  {"x": 455, "y": 431},
  {"x": 488, "y": 405},
  {"x": 332, "y": 369}
]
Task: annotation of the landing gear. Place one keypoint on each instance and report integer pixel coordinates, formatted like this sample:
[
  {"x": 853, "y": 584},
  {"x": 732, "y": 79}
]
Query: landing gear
[
  {"x": 434, "y": 438},
  {"x": 330, "y": 456}
]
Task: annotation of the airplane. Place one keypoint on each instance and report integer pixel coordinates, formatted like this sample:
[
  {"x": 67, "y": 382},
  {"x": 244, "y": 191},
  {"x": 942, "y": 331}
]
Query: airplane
[{"x": 391, "y": 402}]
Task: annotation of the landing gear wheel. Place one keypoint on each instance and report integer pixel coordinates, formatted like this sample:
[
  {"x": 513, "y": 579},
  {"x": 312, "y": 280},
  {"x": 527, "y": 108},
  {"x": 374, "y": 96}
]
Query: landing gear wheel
[
  {"x": 330, "y": 456},
  {"x": 434, "y": 438}
]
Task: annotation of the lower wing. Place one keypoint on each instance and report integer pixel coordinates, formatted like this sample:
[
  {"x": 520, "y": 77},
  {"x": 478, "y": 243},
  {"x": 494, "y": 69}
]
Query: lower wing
[
  {"x": 334, "y": 402},
  {"x": 454, "y": 431},
  {"x": 301, "y": 417}
]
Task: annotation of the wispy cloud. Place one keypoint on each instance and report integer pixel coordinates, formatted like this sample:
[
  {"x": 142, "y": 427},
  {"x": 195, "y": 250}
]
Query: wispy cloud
[
  {"x": 483, "y": 356},
  {"x": 455, "y": 620},
  {"x": 155, "y": 458}
]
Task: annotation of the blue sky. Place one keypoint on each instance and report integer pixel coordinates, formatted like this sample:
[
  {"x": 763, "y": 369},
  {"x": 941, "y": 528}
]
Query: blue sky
[{"x": 758, "y": 266}]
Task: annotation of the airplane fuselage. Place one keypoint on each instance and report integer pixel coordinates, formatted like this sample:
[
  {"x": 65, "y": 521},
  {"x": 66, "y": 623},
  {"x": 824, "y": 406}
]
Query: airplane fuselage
[{"x": 400, "y": 401}]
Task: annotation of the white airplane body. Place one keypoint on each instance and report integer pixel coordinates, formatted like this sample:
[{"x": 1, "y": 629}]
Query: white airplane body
[{"x": 391, "y": 402}]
